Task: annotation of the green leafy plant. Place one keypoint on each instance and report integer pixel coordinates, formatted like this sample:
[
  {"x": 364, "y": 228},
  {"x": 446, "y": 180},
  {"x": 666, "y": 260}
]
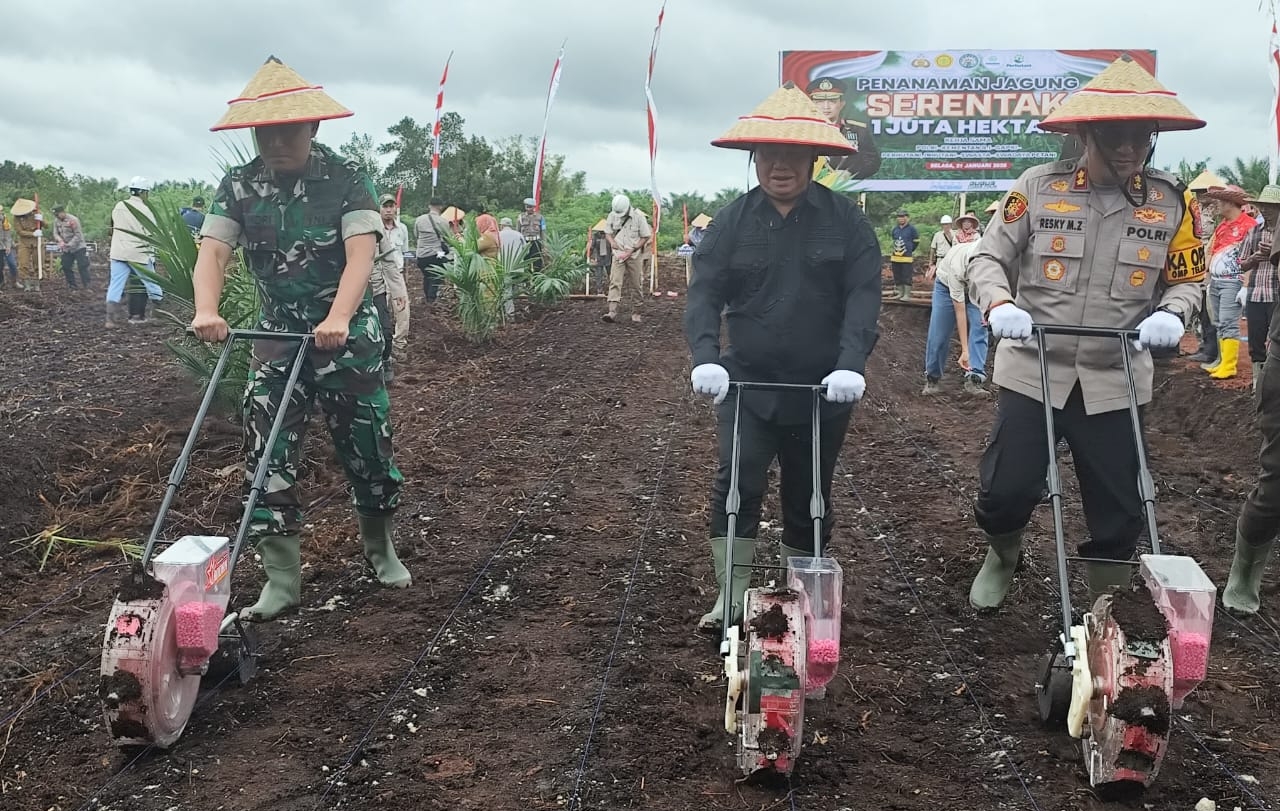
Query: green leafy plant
[
  {"x": 482, "y": 286},
  {"x": 168, "y": 236},
  {"x": 563, "y": 268}
]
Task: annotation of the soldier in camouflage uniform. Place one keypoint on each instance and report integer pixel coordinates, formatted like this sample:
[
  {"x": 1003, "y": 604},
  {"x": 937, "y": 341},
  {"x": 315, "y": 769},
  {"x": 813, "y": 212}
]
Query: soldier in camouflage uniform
[{"x": 309, "y": 224}]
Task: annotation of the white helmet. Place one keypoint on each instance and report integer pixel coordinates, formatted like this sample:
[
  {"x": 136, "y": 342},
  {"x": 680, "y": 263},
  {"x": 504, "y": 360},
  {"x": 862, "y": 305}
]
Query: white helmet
[
  {"x": 621, "y": 203},
  {"x": 140, "y": 183},
  {"x": 946, "y": 219}
]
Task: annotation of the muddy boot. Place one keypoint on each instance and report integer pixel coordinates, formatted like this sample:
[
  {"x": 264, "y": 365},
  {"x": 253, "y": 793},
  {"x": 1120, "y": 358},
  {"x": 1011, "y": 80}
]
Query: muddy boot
[
  {"x": 1257, "y": 373},
  {"x": 932, "y": 386},
  {"x": 1244, "y": 584},
  {"x": 115, "y": 315},
  {"x": 635, "y": 318},
  {"x": 788, "y": 552},
  {"x": 996, "y": 575},
  {"x": 744, "y": 552},
  {"x": 137, "y": 308},
  {"x": 1105, "y": 577},
  {"x": 376, "y": 532},
  {"x": 973, "y": 386},
  {"x": 282, "y": 561},
  {"x": 610, "y": 316}
]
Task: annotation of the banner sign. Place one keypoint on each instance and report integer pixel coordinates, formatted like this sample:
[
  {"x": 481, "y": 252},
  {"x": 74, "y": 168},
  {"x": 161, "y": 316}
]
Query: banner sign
[{"x": 953, "y": 121}]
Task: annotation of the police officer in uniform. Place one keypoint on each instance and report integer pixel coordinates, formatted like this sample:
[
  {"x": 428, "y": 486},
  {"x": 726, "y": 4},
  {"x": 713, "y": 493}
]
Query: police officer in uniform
[
  {"x": 1101, "y": 241},
  {"x": 828, "y": 95}
]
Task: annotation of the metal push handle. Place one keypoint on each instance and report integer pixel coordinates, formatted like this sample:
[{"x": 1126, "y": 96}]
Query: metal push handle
[
  {"x": 733, "y": 499},
  {"x": 1146, "y": 486},
  {"x": 179, "y": 470}
]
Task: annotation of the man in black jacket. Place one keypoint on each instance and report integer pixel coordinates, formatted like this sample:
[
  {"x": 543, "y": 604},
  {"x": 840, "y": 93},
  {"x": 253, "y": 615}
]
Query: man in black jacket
[{"x": 795, "y": 269}]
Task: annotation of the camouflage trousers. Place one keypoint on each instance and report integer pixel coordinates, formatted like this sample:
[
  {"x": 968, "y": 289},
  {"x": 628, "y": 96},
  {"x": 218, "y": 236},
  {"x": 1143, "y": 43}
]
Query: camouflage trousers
[{"x": 347, "y": 385}]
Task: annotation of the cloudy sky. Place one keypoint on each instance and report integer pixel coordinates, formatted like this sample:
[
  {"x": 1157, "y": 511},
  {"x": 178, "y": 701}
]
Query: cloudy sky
[{"x": 125, "y": 88}]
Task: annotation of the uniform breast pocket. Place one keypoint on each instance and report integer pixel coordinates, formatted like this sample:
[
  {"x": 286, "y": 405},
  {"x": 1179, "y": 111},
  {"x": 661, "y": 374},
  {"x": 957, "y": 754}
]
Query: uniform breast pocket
[
  {"x": 1138, "y": 267},
  {"x": 1056, "y": 262},
  {"x": 824, "y": 257}
]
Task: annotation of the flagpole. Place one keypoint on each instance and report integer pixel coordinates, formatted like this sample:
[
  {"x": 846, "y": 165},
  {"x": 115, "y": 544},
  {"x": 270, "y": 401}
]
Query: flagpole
[
  {"x": 1274, "y": 70},
  {"x": 651, "y": 113},
  {"x": 435, "y": 151},
  {"x": 546, "y": 119}
]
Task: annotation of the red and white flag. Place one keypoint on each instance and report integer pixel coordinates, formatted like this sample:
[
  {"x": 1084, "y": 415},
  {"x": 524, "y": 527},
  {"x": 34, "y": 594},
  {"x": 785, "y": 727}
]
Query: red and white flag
[
  {"x": 653, "y": 121},
  {"x": 546, "y": 119},
  {"x": 435, "y": 133}
]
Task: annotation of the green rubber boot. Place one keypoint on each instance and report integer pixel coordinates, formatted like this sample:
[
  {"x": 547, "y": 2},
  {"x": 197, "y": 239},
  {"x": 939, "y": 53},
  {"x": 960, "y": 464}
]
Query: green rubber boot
[
  {"x": 376, "y": 532},
  {"x": 282, "y": 561},
  {"x": 744, "y": 552},
  {"x": 1244, "y": 583},
  {"x": 1103, "y": 577},
  {"x": 996, "y": 575},
  {"x": 788, "y": 552}
]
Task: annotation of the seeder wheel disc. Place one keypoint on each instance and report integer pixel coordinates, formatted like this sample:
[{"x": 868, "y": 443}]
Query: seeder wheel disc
[
  {"x": 1129, "y": 713},
  {"x": 145, "y": 699}
]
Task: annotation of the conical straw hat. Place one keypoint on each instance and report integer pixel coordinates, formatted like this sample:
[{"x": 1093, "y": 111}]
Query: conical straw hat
[
  {"x": 278, "y": 95},
  {"x": 1122, "y": 92},
  {"x": 453, "y": 214},
  {"x": 788, "y": 116},
  {"x": 1270, "y": 194},
  {"x": 22, "y": 207},
  {"x": 700, "y": 221},
  {"x": 993, "y": 208},
  {"x": 1205, "y": 180},
  {"x": 598, "y": 226}
]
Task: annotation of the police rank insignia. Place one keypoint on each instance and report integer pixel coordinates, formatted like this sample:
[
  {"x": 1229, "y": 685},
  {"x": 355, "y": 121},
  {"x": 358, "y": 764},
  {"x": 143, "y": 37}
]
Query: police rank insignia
[
  {"x": 1054, "y": 270},
  {"x": 1015, "y": 207},
  {"x": 1081, "y": 181},
  {"x": 1061, "y": 207}
]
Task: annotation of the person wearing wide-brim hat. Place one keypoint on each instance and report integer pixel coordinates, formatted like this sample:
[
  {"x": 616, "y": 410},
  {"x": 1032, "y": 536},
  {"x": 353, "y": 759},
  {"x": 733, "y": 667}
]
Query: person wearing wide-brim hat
[
  {"x": 1259, "y": 521},
  {"x": 1226, "y": 274},
  {"x": 308, "y": 222},
  {"x": 1103, "y": 240},
  {"x": 26, "y": 228},
  {"x": 1259, "y": 291},
  {"x": 795, "y": 268}
]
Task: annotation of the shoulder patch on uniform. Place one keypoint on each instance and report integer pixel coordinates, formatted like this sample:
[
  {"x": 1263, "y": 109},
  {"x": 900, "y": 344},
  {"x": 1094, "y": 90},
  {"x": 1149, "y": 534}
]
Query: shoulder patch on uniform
[
  {"x": 1197, "y": 221},
  {"x": 1015, "y": 207}
]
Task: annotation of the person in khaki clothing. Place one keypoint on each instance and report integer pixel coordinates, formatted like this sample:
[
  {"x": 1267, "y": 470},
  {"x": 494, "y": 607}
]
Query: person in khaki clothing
[
  {"x": 628, "y": 233},
  {"x": 26, "y": 226},
  {"x": 1102, "y": 240}
]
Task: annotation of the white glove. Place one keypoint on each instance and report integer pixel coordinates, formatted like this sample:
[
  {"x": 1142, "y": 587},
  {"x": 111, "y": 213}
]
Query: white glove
[
  {"x": 1008, "y": 320},
  {"x": 38, "y": 233},
  {"x": 712, "y": 379},
  {"x": 844, "y": 386},
  {"x": 1160, "y": 330},
  {"x": 441, "y": 254},
  {"x": 1243, "y": 296}
]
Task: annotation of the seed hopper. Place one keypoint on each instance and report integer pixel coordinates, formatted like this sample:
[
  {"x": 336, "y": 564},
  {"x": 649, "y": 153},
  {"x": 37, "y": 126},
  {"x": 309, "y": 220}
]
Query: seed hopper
[
  {"x": 170, "y": 625},
  {"x": 791, "y": 649},
  {"x": 1136, "y": 654}
]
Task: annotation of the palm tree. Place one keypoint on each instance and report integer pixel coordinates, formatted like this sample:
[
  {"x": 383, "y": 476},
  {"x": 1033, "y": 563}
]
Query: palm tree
[
  {"x": 1188, "y": 171},
  {"x": 1250, "y": 174}
]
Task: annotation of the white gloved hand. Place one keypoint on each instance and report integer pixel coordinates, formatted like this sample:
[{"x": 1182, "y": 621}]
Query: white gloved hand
[
  {"x": 39, "y": 232},
  {"x": 712, "y": 379},
  {"x": 844, "y": 386},
  {"x": 1243, "y": 296},
  {"x": 1008, "y": 320},
  {"x": 1160, "y": 330}
]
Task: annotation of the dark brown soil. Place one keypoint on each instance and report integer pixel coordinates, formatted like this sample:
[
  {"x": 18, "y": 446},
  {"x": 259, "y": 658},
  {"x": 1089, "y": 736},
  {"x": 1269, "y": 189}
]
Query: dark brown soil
[
  {"x": 555, "y": 522},
  {"x": 1146, "y": 707},
  {"x": 1138, "y": 615}
]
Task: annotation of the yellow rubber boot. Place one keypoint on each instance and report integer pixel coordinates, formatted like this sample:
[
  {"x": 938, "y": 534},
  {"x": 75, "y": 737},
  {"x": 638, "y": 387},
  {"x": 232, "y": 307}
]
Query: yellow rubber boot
[
  {"x": 1230, "y": 356},
  {"x": 1214, "y": 364}
]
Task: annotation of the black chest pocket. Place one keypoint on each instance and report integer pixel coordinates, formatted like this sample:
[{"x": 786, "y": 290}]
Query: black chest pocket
[
  {"x": 261, "y": 233},
  {"x": 749, "y": 264}
]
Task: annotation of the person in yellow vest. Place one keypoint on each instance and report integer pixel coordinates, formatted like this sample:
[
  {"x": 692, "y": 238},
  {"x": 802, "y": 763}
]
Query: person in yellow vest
[
  {"x": 7, "y": 249},
  {"x": 26, "y": 225},
  {"x": 1103, "y": 240}
]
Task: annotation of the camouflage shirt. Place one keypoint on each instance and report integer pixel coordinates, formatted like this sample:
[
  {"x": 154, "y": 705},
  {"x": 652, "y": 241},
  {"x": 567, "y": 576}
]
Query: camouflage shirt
[{"x": 293, "y": 237}]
